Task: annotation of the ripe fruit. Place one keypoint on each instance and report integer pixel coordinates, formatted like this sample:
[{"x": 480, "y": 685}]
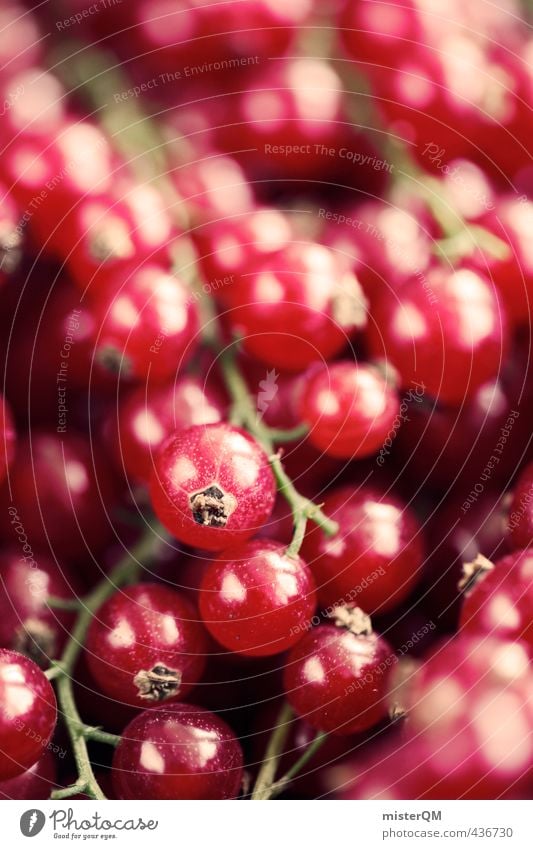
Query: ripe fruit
[
  {"x": 257, "y": 601},
  {"x": 147, "y": 323},
  {"x": 350, "y": 409},
  {"x": 499, "y": 597},
  {"x": 520, "y": 522},
  {"x": 447, "y": 332},
  {"x": 28, "y": 715},
  {"x": 177, "y": 752},
  {"x": 27, "y": 624},
  {"x": 376, "y": 556},
  {"x": 298, "y": 306},
  {"x": 212, "y": 486},
  {"x": 148, "y": 415},
  {"x": 470, "y": 704},
  {"x": 60, "y": 495},
  {"x": 336, "y": 677},
  {"x": 36, "y": 783},
  {"x": 146, "y": 645}
]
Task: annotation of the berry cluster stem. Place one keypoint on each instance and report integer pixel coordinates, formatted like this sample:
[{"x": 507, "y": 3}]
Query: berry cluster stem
[
  {"x": 61, "y": 671},
  {"x": 245, "y": 413}
]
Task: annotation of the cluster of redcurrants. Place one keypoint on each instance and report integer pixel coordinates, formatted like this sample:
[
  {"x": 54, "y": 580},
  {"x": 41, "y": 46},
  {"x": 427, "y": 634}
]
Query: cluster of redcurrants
[{"x": 229, "y": 321}]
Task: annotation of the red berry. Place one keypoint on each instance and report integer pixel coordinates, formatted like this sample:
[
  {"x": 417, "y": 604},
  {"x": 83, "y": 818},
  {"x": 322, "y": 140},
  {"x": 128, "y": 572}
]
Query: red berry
[
  {"x": 177, "y": 752},
  {"x": 11, "y": 240},
  {"x": 470, "y": 703},
  {"x": 60, "y": 495},
  {"x": 520, "y": 522},
  {"x": 299, "y": 306},
  {"x": 212, "y": 486},
  {"x": 257, "y": 601},
  {"x": 36, "y": 783},
  {"x": 447, "y": 332},
  {"x": 27, "y": 623},
  {"x": 499, "y": 597},
  {"x": 147, "y": 323},
  {"x": 28, "y": 715},
  {"x": 147, "y": 417},
  {"x": 350, "y": 409},
  {"x": 337, "y": 676},
  {"x": 376, "y": 556},
  {"x": 146, "y": 645}
]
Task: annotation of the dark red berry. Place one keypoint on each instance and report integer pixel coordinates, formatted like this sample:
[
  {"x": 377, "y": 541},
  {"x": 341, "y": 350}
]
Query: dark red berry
[
  {"x": 148, "y": 415},
  {"x": 27, "y": 623},
  {"x": 177, "y": 752},
  {"x": 350, "y": 409},
  {"x": 28, "y": 715},
  {"x": 376, "y": 556},
  {"x": 212, "y": 486},
  {"x": 256, "y": 600},
  {"x": 297, "y": 307},
  {"x": 337, "y": 676},
  {"x": 447, "y": 333},
  {"x": 499, "y": 597},
  {"x": 146, "y": 645}
]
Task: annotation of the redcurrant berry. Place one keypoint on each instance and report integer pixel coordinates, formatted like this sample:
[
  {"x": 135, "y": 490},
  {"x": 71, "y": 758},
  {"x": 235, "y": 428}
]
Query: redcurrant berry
[
  {"x": 146, "y": 645},
  {"x": 28, "y": 715},
  {"x": 350, "y": 409},
  {"x": 300, "y": 305},
  {"x": 257, "y": 601},
  {"x": 177, "y": 752},
  {"x": 448, "y": 334},
  {"x": 27, "y": 623},
  {"x": 212, "y": 486},
  {"x": 375, "y": 557},
  {"x": 146, "y": 418},
  {"x": 337, "y": 676},
  {"x": 499, "y": 597},
  {"x": 36, "y": 783},
  {"x": 147, "y": 323}
]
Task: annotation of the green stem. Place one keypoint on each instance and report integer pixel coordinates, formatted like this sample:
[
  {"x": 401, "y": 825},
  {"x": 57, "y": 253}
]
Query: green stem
[
  {"x": 275, "y": 748},
  {"x": 126, "y": 571},
  {"x": 245, "y": 413},
  {"x": 296, "y": 768},
  {"x": 64, "y": 603}
]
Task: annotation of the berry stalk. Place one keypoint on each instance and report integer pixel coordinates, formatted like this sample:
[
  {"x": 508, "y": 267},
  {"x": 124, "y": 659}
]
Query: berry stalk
[{"x": 61, "y": 671}]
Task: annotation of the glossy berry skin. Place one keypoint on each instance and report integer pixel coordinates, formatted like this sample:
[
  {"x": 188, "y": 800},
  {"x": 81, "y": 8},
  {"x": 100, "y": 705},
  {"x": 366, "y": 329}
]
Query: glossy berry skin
[
  {"x": 8, "y": 437},
  {"x": 500, "y": 603},
  {"x": 177, "y": 752},
  {"x": 257, "y": 601},
  {"x": 27, "y": 623},
  {"x": 57, "y": 496},
  {"x": 350, "y": 409},
  {"x": 520, "y": 521},
  {"x": 376, "y": 557},
  {"x": 230, "y": 247},
  {"x": 299, "y": 306},
  {"x": 448, "y": 335},
  {"x": 36, "y": 783},
  {"x": 147, "y": 323},
  {"x": 470, "y": 703},
  {"x": 337, "y": 681},
  {"x": 146, "y": 645},
  {"x": 212, "y": 486},
  {"x": 147, "y": 416},
  {"x": 28, "y": 715}
]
